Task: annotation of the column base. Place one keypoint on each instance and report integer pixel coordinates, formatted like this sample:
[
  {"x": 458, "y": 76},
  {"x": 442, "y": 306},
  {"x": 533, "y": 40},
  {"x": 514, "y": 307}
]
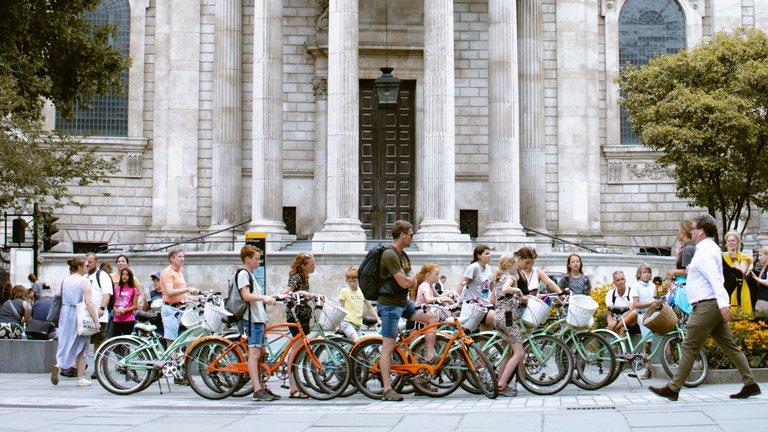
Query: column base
[
  {"x": 506, "y": 237},
  {"x": 277, "y": 236},
  {"x": 441, "y": 236},
  {"x": 340, "y": 235}
]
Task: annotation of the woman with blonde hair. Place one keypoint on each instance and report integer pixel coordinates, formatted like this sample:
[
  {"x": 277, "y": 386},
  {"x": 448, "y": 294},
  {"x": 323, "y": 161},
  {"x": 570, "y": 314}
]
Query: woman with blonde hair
[
  {"x": 739, "y": 261},
  {"x": 762, "y": 281},
  {"x": 506, "y": 299}
]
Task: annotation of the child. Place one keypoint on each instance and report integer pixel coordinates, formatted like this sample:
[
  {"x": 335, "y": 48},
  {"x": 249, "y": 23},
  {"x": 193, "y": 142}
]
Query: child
[
  {"x": 574, "y": 279},
  {"x": 351, "y": 299},
  {"x": 643, "y": 296},
  {"x": 126, "y": 303}
]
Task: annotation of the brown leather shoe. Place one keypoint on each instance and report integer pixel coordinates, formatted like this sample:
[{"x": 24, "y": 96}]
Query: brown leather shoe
[
  {"x": 747, "y": 391},
  {"x": 665, "y": 392}
]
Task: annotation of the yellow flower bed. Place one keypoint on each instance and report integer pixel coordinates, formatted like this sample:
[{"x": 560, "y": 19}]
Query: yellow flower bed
[{"x": 751, "y": 334}]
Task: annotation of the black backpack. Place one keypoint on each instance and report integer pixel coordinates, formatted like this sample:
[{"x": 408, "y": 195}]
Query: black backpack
[{"x": 369, "y": 276}]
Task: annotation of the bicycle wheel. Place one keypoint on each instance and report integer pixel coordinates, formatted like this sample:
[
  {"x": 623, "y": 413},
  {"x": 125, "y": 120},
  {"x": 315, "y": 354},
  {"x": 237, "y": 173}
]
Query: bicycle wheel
[
  {"x": 364, "y": 357},
  {"x": 593, "y": 361},
  {"x": 619, "y": 349},
  {"x": 347, "y": 344},
  {"x": 451, "y": 373},
  {"x": 123, "y": 366},
  {"x": 495, "y": 351},
  {"x": 547, "y": 365},
  {"x": 325, "y": 372},
  {"x": 482, "y": 371},
  {"x": 670, "y": 358},
  {"x": 204, "y": 369}
]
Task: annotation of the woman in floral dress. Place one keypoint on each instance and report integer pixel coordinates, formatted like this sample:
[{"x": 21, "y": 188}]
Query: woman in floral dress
[{"x": 506, "y": 299}]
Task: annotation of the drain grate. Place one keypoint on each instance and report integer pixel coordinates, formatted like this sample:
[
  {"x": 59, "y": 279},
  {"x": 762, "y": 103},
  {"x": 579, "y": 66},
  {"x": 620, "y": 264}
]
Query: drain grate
[{"x": 592, "y": 408}]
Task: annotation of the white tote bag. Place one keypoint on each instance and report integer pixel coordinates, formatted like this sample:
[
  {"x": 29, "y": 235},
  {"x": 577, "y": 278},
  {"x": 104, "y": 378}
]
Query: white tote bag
[{"x": 85, "y": 324}]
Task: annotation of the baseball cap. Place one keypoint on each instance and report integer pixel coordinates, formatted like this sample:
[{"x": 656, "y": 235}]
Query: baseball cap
[{"x": 155, "y": 275}]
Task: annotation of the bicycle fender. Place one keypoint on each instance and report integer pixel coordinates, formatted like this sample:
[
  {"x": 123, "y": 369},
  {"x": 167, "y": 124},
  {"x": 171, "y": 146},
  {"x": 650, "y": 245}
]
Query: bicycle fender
[
  {"x": 203, "y": 339},
  {"x": 124, "y": 337}
]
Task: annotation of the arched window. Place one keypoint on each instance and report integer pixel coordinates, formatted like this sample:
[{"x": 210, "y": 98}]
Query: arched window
[
  {"x": 647, "y": 28},
  {"x": 108, "y": 115}
]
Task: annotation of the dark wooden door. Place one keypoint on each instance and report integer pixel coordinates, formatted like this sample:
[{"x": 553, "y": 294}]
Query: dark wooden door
[{"x": 387, "y": 160}]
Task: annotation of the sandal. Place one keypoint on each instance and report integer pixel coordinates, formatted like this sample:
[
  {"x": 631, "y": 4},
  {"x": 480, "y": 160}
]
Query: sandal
[{"x": 298, "y": 395}]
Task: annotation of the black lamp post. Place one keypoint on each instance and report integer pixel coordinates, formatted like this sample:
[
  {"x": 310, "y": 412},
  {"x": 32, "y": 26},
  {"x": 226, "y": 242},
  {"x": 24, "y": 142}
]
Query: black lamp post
[{"x": 387, "y": 86}]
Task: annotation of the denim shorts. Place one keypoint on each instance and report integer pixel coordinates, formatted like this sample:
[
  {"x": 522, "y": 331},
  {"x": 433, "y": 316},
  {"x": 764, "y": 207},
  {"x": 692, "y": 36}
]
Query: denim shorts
[
  {"x": 255, "y": 333},
  {"x": 390, "y": 317},
  {"x": 171, "y": 322}
]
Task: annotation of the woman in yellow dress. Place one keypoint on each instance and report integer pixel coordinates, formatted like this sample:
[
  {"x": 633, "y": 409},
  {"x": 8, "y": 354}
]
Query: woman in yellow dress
[{"x": 741, "y": 261}]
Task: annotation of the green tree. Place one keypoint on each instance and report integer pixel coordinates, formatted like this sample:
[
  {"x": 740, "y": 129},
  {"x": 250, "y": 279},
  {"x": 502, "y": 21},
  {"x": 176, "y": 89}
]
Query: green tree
[
  {"x": 50, "y": 51},
  {"x": 707, "y": 110}
]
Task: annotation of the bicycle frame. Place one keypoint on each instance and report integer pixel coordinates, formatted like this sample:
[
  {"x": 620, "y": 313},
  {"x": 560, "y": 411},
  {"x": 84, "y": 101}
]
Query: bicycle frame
[
  {"x": 403, "y": 347},
  {"x": 625, "y": 341}
]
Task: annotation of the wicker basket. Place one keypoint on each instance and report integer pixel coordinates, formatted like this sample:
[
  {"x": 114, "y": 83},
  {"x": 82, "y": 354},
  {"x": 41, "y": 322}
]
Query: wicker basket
[
  {"x": 660, "y": 320},
  {"x": 214, "y": 318}
]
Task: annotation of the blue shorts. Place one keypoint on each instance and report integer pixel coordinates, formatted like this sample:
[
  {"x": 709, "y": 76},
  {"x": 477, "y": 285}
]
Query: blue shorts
[
  {"x": 255, "y": 333},
  {"x": 171, "y": 322},
  {"x": 390, "y": 317}
]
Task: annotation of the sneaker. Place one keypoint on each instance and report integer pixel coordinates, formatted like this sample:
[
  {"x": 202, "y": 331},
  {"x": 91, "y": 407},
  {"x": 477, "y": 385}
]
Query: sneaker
[
  {"x": 508, "y": 392},
  {"x": 180, "y": 381},
  {"x": 646, "y": 375},
  {"x": 391, "y": 395},
  {"x": 747, "y": 391},
  {"x": 262, "y": 396},
  {"x": 69, "y": 372},
  {"x": 55, "y": 376},
  {"x": 93, "y": 376},
  {"x": 82, "y": 382},
  {"x": 274, "y": 396}
]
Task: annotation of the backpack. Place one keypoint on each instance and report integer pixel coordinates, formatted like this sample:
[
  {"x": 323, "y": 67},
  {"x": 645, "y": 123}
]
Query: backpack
[
  {"x": 233, "y": 301},
  {"x": 369, "y": 273},
  {"x": 111, "y": 304}
]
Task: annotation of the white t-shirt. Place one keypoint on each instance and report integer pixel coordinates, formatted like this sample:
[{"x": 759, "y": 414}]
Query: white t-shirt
[
  {"x": 97, "y": 295},
  {"x": 479, "y": 286},
  {"x": 258, "y": 313},
  {"x": 644, "y": 292},
  {"x": 621, "y": 302}
]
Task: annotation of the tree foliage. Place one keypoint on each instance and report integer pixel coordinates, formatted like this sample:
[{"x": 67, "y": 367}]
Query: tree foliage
[
  {"x": 49, "y": 51},
  {"x": 707, "y": 109}
]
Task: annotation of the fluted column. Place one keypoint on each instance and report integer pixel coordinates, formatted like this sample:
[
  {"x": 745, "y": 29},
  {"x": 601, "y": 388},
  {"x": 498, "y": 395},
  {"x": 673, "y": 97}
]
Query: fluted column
[
  {"x": 267, "y": 190},
  {"x": 578, "y": 116},
  {"x": 343, "y": 230},
  {"x": 175, "y": 119},
  {"x": 503, "y": 127},
  {"x": 320, "y": 91},
  {"x": 227, "y": 116},
  {"x": 439, "y": 176},
  {"x": 532, "y": 151}
]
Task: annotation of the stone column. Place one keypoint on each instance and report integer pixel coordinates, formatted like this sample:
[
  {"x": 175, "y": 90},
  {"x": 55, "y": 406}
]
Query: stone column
[
  {"x": 176, "y": 113},
  {"x": 320, "y": 90},
  {"x": 532, "y": 153},
  {"x": 503, "y": 128},
  {"x": 578, "y": 117},
  {"x": 343, "y": 230},
  {"x": 227, "y": 117},
  {"x": 438, "y": 152},
  {"x": 266, "y": 180}
]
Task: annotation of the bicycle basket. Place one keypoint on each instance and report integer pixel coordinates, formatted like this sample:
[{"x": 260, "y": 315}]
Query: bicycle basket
[
  {"x": 191, "y": 317},
  {"x": 214, "y": 318}
]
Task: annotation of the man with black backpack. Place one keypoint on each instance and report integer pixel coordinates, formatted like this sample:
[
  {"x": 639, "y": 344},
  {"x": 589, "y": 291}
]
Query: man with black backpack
[
  {"x": 393, "y": 302},
  {"x": 710, "y": 315},
  {"x": 102, "y": 289},
  {"x": 255, "y": 318}
]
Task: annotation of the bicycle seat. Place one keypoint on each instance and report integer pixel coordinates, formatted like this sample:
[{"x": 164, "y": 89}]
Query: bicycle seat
[{"x": 145, "y": 327}]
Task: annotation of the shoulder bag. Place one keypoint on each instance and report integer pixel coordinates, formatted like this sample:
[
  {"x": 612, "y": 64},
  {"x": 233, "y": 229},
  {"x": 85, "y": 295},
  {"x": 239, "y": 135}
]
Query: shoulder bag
[{"x": 85, "y": 324}]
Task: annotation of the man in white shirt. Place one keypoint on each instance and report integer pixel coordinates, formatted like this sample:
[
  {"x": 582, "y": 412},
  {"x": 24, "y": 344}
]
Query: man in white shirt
[
  {"x": 710, "y": 315},
  {"x": 101, "y": 291}
]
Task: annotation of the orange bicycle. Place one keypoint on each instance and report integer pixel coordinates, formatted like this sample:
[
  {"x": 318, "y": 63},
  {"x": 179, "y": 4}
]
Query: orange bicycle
[
  {"x": 217, "y": 367},
  {"x": 457, "y": 357}
]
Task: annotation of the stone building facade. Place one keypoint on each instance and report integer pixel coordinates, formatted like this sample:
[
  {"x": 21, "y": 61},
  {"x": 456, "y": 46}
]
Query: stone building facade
[{"x": 262, "y": 112}]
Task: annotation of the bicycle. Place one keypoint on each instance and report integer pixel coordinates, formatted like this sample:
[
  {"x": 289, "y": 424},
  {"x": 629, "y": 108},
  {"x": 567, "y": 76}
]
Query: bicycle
[
  {"x": 547, "y": 365},
  {"x": 628, "y": 352},
  {"x": 129, "y": 364},
  {"x": 408, "y": 362},
  {"x": 217, "y": 368}
]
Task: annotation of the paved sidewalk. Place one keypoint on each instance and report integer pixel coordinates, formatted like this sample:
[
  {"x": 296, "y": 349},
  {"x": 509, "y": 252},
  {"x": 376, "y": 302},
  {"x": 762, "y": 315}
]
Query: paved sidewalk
[{"x": 31, "y": 403}]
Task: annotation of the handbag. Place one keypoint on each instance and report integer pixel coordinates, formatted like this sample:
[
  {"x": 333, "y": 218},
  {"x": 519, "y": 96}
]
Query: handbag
[
  {"x": 55, "y": 310},
  {"x": 85, "y": 324},
  {"x": 38, "y": 329}
]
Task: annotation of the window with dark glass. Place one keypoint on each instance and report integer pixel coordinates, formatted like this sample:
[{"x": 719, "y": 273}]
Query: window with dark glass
[
  {"x": 647, "y": 28},
  {"x": 108, "y": 115}
]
